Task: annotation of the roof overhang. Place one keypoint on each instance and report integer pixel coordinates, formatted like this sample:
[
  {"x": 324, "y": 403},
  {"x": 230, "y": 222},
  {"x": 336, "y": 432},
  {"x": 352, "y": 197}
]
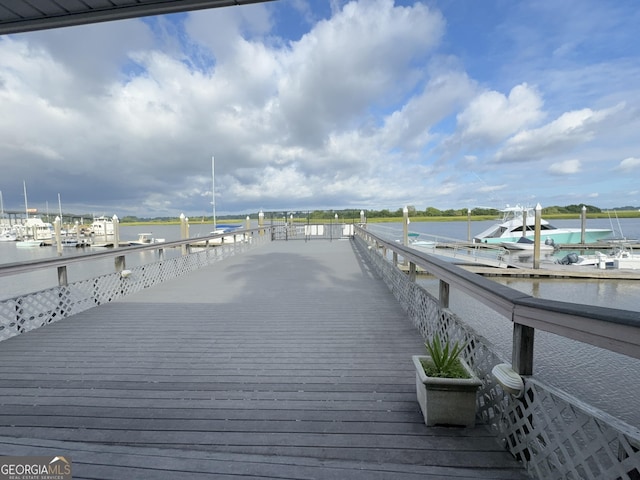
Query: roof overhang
[{"x": 27, "y": 15}]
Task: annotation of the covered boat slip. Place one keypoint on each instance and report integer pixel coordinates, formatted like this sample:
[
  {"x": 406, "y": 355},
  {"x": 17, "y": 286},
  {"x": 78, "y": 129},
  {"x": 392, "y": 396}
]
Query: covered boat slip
[{"x": 289, "y": 361}]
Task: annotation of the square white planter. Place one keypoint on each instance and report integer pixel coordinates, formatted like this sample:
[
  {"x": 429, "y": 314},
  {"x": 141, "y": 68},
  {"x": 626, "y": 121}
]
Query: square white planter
[{"x": 446, "y": 401}]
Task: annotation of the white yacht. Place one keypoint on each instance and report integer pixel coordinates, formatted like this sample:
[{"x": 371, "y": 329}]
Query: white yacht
[
  {"x": 34, "y": 228},
  {"x": 510, "y": 228},
  {"x": 102, "y": 228},
  {"x": 7, "y": 234}
]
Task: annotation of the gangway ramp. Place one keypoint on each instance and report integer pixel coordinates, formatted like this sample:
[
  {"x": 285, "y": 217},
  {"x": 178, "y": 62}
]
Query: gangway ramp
[{"x": 471, "y": 253}]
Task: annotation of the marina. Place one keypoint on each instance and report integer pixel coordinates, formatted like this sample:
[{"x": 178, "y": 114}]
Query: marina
[
  {"x": 613, "y": 259},
  {"x": 249, "y": 377},
  {"x": 325, "y": 274},
  {"x": 296, "y": 349}
]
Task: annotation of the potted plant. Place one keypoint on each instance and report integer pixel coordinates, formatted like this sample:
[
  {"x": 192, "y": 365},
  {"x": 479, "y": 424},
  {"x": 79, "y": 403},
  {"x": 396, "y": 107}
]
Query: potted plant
[{"x": 445, "y": 385}]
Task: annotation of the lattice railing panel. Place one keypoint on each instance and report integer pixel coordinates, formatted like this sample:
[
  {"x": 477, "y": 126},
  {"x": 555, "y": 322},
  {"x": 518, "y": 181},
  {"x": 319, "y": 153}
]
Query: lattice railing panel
[
  {"x": 555, "y": 435},
  {"x": 34, "y": 310}
]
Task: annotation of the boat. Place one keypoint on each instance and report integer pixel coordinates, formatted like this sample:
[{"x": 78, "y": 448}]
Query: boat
[
  {"x": 625, "y": 258},
  {"x": 414, "y": 241},
  {"x": 146, "y": 239},
  {"x": 423, "y": 243},
  {"x": 7, "y": 234},
  {"x": 219, "y": 229},
  {"x": 35, "y": 228},
  {"x": 67, "y": 241},
  {"x": 102, "y": 228},
  {"x": 510, "y": 228},
  {"x": 28, "y": 243},
  {"x": 620, "y": 257},
  {"x": 527, "y": 244},
  {"x": 222, "y": 229}
]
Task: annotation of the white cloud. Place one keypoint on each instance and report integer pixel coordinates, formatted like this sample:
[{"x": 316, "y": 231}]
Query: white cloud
[
  {"x": 491, "y": 188},
  {"x": 224, "y": 30},
  {"x": 411, "y": 125},
  {"x": 372, "y": 105},
  {"x": 567, "y": 167},
  {"x": 560, "y": 135},
  {"x": 359, "y": 59},
  {"x": 629, "y": 164},
  {"x": 492, "y": 116}
]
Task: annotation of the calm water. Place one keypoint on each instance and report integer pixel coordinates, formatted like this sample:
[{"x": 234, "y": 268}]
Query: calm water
[
  {"x": 32, "y": 282},
  {"x": 603, "y": 379}
]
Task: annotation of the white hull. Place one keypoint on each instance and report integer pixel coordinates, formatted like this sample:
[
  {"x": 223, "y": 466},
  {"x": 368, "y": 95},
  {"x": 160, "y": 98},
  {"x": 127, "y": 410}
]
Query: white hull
[
  {"x": 8, "y": 237},
  {"x": 619, "y": 259},
  {"x": 145, "y": 239},
  {"x": 102, "y": 229},
  {"x": 510, "y": 229},
  {"x": 28, "y": 243},
  {"x": 526, "y": 247},
  {"x": 34, "y": 228}
]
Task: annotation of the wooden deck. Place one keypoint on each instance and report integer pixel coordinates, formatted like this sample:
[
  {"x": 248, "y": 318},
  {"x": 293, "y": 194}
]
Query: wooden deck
[{"x": 289, "y": 361}]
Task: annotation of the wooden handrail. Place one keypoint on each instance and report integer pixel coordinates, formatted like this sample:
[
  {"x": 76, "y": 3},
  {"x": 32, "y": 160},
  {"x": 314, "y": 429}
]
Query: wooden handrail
[{"x": 9, "y": 269}]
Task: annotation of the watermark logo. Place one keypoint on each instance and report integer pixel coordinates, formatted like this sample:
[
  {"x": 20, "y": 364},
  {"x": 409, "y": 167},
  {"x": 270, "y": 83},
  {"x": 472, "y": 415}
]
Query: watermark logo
[{"x": 35, "y": 468}]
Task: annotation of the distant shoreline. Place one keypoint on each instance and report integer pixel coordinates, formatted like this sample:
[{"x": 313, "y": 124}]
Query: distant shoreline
[{"x": 420, "y": 218}]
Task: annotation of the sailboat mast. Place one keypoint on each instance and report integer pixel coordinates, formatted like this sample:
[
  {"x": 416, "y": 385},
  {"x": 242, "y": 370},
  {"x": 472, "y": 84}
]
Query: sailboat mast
[{"x": 213, "y": 190}]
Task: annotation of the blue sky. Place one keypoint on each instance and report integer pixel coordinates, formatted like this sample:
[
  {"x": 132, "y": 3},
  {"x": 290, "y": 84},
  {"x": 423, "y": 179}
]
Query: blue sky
[{"x": 327, "y": 104}]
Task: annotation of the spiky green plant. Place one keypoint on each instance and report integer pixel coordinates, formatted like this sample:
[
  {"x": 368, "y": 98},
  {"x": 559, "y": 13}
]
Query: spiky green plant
[{"x": 445, "y": 360}]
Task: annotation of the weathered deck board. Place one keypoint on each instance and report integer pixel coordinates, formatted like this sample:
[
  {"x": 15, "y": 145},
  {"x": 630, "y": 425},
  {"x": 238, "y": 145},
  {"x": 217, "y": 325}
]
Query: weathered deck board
[{"x": 290, "y": 361}]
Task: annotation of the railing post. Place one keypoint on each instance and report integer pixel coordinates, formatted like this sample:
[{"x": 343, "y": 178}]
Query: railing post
[
  {"x": 405, "y": 230},
  {"x": 444, "y": 294},
  {"x": 183, "y": 234},
  {"x": 57, "y": 226},
  {"x": 120, "y": 263},
  {"x": 583, "y": 224},
  {"x": 62, "y": 276},
  {"x": 522, "y": 355},
  {"x": 116, "y": 231},
  {"x": 412, "y": 272},
  {"x": 537, "y": 239}
]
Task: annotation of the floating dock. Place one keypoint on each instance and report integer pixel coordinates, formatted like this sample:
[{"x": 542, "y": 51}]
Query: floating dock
[
  {"x": 556, "y": 271},
  {"x": 496, "y": 262}
]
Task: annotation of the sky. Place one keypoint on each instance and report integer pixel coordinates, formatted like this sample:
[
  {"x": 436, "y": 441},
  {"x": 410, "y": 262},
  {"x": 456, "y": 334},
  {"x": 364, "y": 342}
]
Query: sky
[{"x": 326, "y": 104}]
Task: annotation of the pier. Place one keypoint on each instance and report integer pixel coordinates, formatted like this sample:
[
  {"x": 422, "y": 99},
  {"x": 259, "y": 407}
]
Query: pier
[
  {"x": 289, "y": 361},
  {"x": 288, "y": 356}
]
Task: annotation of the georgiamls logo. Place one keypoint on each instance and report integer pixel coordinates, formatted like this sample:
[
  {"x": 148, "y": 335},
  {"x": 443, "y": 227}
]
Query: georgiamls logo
[{"x": 35, "y": 468}]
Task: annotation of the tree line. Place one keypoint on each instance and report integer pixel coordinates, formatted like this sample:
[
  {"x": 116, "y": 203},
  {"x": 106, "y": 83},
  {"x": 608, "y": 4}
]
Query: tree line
[
  {"x": 435, "y": 212},
  {"x": 354, "y": 214}
]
